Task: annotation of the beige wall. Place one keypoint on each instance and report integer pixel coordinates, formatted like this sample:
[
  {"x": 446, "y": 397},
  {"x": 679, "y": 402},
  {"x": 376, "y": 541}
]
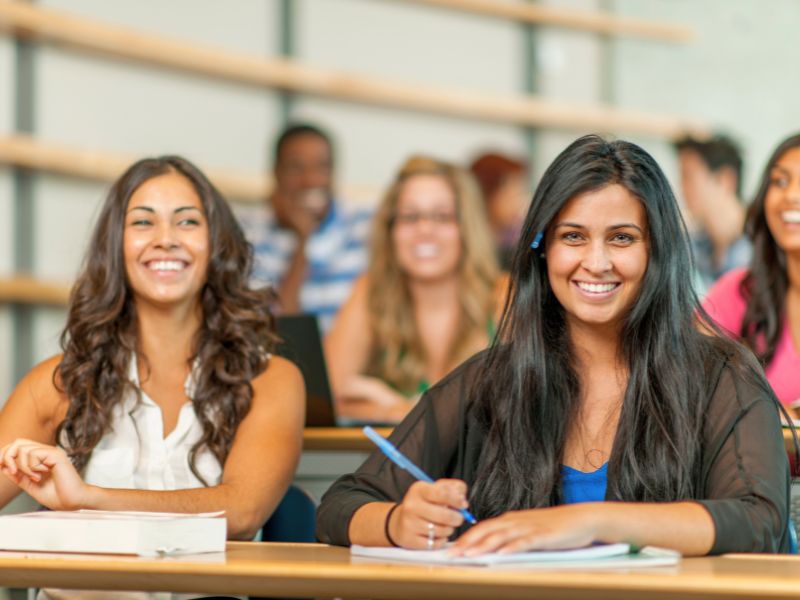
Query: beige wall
[
  {"x": 569, "y": 69},
  {"x": 407, "y": 43},
  {"x": 6, "y": 223},
  {"x": 739, "y": 75}
]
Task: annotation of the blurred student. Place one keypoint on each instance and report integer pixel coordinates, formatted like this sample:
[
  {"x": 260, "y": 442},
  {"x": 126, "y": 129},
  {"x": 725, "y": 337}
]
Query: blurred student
[
  {"x": 502, "y": 180},
  {"x": 761, "y": 304},
  {"x": 427, "y": 301},
  {"x": 601, "y": 414},
  {"x": 711, "y": 180},
  {"x": 308, "y": 245},
  {"x": 166, "y": 396}
]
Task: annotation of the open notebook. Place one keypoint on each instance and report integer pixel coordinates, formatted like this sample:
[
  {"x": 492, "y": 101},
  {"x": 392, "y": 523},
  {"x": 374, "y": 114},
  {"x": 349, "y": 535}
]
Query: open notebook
[{"x": 599, "y": 556}]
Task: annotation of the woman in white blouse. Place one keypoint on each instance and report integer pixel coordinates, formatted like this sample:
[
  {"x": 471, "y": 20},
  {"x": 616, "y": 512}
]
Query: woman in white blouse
[{"x": 166, "y": 396}]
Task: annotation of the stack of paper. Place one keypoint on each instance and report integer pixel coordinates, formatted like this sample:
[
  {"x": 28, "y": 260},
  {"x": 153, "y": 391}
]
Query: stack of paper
[
  {"x": 592, "y": 557},
  {"x": 114, "y": 532}
]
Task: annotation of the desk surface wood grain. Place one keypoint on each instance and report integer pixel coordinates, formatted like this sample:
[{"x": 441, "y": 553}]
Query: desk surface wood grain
[
  {"x": 316, "y": 570},
  {"x": 340, "y": 439}
]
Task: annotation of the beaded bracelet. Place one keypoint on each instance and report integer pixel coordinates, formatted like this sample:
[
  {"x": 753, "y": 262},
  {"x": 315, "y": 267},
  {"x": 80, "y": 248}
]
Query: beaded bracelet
[{"x": 386, "y": 527}]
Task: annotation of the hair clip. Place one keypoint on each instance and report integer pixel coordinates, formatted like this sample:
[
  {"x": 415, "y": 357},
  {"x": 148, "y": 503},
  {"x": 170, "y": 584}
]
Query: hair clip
[{"x": 537, "y": 240}]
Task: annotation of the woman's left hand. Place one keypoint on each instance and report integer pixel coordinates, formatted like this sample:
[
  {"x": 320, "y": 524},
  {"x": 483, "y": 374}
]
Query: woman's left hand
[
  {"x": 555, "y": 528},
  {"x": 45, "y": 473}
]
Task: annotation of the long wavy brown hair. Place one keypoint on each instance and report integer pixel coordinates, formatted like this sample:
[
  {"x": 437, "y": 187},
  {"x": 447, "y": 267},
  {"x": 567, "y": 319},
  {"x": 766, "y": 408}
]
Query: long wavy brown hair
[
  {"x": 102, "y": 334},
  {"x": 766, "y": 284},
  {"x": 398, "y": 356}
]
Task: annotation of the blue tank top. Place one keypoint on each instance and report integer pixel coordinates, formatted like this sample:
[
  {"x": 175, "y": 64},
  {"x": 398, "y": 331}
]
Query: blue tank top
[{"x": 577, "y": 486}]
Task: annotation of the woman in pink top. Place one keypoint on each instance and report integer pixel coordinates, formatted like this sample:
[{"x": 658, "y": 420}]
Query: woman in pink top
[{"x": 761, "y": 305}]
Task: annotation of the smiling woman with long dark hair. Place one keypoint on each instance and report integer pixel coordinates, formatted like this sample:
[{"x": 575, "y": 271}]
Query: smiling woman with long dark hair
[
  {"x": 761, "y": 304},
  {"x": 166, "y": 396},
  {"x": 601, "y": 413}
]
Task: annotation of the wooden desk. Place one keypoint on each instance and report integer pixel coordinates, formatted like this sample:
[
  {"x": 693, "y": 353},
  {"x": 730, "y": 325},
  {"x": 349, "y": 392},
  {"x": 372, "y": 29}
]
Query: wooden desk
[
  {"x": 324, "y": 572},
  {"x": 329, "y": 452},
  {"x": 788, "y": 440},
  {"x": 339, "y": 439}
]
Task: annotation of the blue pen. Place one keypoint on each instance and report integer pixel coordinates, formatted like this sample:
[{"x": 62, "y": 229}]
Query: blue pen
[{"x": 394, "y": 455}]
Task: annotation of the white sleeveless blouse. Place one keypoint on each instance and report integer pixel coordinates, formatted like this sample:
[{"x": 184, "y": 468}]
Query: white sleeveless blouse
[{"x": 134, "y": 454}]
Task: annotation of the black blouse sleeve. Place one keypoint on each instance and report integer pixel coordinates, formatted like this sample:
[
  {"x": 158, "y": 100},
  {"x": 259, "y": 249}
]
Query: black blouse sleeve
[
  {"x": 745, "y": 466},
  {"x": 430, "y": 436}
]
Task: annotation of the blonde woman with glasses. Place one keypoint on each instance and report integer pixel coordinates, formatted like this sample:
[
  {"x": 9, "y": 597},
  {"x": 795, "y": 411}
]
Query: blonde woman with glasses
[{"x": 428, "y": 300}]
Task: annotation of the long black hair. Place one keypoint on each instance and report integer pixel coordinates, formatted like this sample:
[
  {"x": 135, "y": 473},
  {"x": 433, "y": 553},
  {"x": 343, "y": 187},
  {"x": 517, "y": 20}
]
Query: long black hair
[
  {"x": 530, "y": 390},
  {"x": 766, "y": 282}
]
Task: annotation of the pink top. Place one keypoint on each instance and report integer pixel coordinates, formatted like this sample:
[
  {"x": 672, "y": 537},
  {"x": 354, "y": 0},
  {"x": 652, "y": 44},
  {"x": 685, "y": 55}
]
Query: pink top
[{"x": 726, "y": 306}]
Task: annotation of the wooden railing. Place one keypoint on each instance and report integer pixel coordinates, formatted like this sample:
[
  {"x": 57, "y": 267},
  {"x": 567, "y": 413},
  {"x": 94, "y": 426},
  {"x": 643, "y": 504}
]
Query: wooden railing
[
  {"x": 602, "y": 23},
  {"x": 57, "y": 27},
  {"x": 24, "y": 151},
  {"x": 23, "y": 289}
]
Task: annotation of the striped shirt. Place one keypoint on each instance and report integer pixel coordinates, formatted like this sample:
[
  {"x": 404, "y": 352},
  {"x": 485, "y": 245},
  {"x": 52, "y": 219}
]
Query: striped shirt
[{"x": 336, "y": 255}]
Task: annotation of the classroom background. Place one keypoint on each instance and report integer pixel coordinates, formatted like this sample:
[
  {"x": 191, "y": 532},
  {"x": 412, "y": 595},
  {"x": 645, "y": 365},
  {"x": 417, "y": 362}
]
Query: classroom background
[
  {"x": 89, "y": 86},
  {"x": 386, "y": 77}
]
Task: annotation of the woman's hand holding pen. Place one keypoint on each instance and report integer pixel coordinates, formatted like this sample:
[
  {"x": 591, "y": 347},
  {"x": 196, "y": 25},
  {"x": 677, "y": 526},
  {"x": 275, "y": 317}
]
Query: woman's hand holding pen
[
  {"x": 429, "y": 511},
  {"x": 45, "y": 473}
]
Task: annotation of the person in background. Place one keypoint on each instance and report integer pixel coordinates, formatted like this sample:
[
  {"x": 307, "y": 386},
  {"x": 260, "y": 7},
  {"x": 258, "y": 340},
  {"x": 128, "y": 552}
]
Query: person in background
[
  {"x": 166, "y": 397},
  {"x": 308, "y": 245},
  {"x": 711, "y": 180},
  {"x": 761, "y": 304},
  {"x": 601, "y": 413},
  {"x": 429, "y": 297},
  {"x": 502, "y": 180}
]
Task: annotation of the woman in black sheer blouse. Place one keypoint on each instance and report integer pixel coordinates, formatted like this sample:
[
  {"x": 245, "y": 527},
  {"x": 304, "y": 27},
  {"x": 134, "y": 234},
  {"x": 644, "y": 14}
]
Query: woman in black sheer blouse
[{"x": 601, "y": 413}]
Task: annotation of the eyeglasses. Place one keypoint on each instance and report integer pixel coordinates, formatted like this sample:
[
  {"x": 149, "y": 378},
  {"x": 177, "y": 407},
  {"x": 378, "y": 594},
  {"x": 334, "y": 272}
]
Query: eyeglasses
[{"x": 409, "y": 219}]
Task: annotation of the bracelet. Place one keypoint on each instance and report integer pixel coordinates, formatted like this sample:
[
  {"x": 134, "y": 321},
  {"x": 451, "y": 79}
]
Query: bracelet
[{"x": 386, "y": 527}]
